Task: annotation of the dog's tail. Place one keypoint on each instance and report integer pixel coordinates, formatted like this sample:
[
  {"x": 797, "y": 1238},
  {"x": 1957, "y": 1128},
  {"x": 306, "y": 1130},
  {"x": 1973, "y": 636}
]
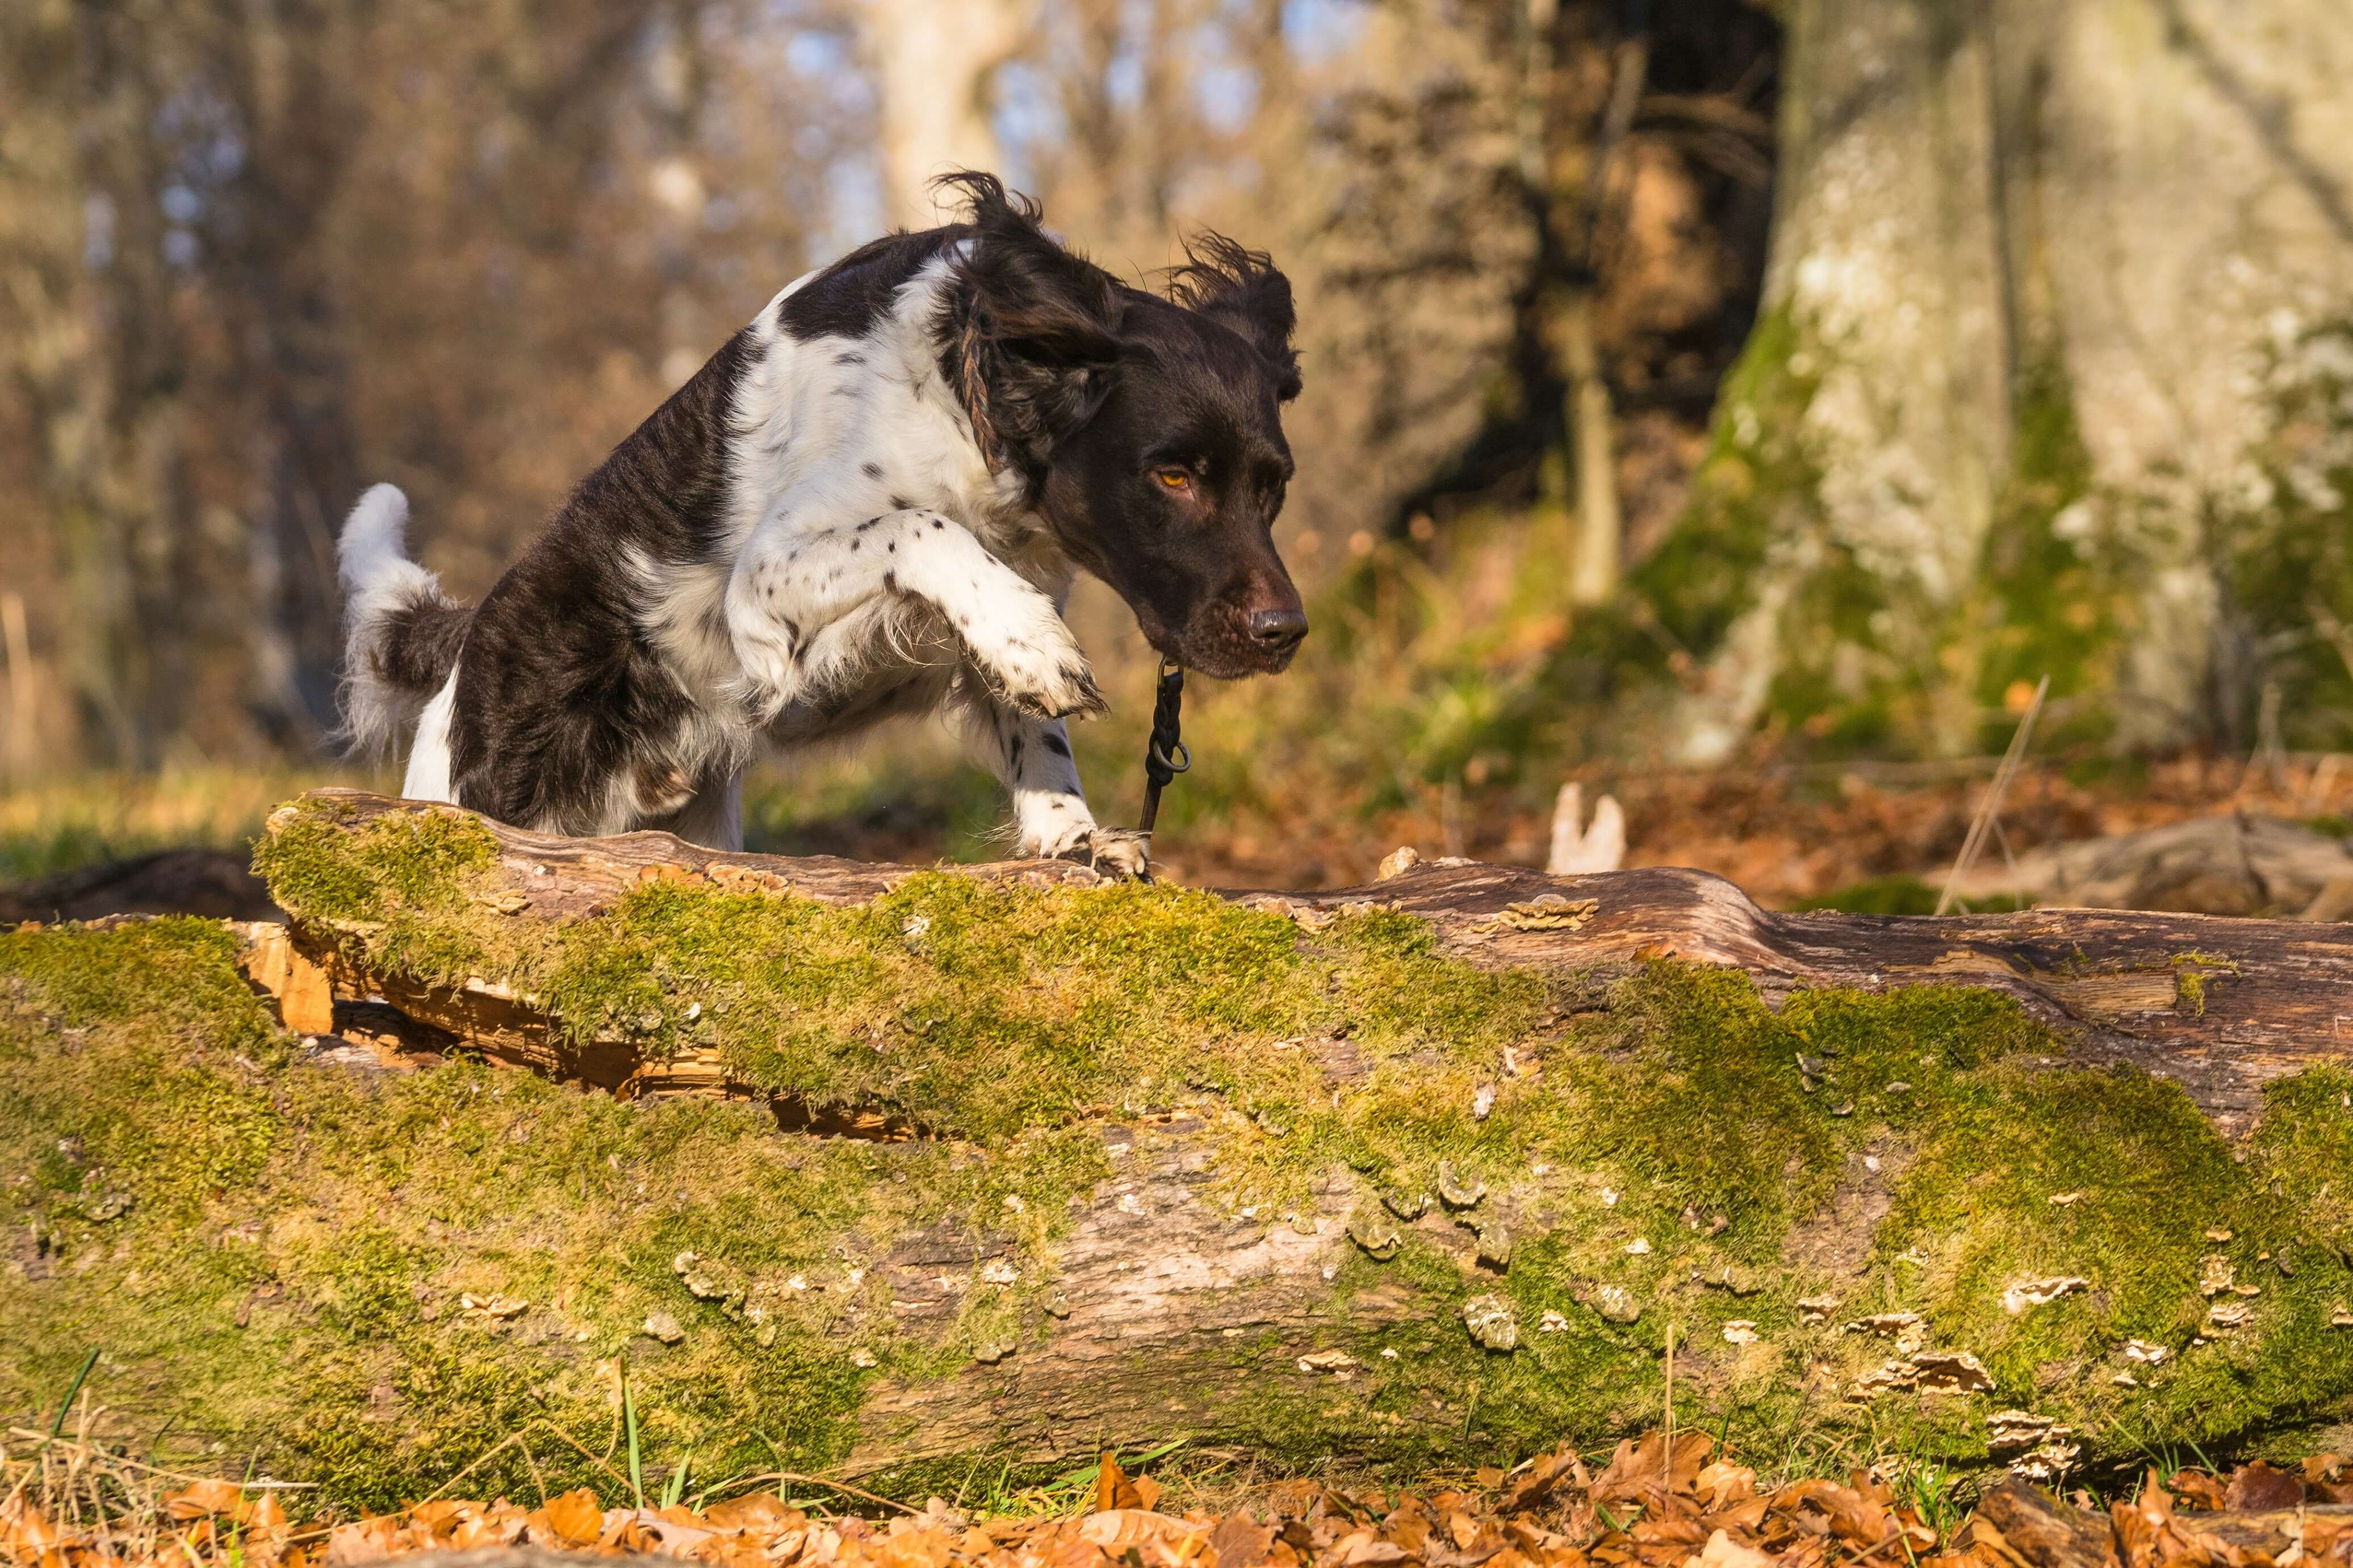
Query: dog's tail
[{"x": 401, "y": 633}]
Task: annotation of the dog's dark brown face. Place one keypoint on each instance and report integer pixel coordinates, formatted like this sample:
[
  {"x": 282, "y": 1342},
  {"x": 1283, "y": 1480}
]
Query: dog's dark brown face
[{"x": 1150, "y": 429}]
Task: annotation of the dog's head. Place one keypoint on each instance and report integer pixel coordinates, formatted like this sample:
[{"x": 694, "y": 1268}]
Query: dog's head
[{"x": 1149, "y": 429}]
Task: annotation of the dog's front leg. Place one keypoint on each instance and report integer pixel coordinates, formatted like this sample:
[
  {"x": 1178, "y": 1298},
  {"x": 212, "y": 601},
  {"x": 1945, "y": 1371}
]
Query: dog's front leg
[
  {"x": 796, "y": 597},
  {"x": 1031, "y": 758}
]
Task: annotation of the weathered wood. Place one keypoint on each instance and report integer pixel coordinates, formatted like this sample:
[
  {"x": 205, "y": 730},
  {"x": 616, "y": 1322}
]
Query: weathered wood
[
  {"x": 2231, "y": 865},
  {"x": 2221, "y": 1006}
]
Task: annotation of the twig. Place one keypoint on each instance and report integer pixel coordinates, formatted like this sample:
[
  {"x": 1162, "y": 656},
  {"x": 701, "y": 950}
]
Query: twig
[
  {"x": 800, "y": 1479},
  {"x": 1992, "y": 801},
  {"x": 155, "y": 1469},
  {"x": 1667, "y": 1427}
]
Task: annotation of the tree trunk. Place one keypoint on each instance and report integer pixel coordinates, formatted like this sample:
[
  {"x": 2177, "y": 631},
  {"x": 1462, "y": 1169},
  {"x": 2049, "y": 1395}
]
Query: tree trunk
[
  {"x": 936, "y": 67},
  {"x": 2057, "y": 308}
]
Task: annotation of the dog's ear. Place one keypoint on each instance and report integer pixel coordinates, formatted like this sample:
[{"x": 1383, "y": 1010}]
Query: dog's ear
[
  {"x": 1031, "y": 332},
  {"x": 1241, "y": 289}
]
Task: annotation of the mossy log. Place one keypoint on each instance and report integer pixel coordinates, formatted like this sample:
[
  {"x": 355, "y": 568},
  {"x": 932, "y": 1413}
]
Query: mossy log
[
  {"x": 2222, "y": 1006},
  {"x": 1428, "y": 1172}
]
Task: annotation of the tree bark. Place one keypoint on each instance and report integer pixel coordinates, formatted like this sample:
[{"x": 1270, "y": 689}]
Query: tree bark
[
  {"x": 2045, "y": 283},
  {"x": 936, "y": 65}
]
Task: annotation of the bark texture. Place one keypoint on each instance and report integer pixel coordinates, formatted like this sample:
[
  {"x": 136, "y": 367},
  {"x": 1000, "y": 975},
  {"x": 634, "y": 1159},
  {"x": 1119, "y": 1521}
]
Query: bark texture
[{"x": 2041, "y": 279}]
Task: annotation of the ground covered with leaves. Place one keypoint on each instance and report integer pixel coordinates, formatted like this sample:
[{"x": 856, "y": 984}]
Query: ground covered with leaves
[{"x": 1661, "y": 1503}]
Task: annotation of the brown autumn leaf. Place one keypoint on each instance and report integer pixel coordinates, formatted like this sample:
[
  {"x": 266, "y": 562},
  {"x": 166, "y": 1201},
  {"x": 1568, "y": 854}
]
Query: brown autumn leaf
[
  {"x": 1240, "y": 1542},
  {"x": 2199, "y": 1490},
  {"x": 575, "y": 1518},
  {"x": 1114, "y": 1490},
  {"x": 760, "y": 1510},
  {"x": 202, "y": 1498},
  {"x": 2259, "y": 1489}
]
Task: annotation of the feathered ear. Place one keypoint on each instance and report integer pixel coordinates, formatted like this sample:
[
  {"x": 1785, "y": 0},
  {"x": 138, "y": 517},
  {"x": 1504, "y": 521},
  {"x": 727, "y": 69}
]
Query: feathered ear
[
  {"x": 1241, "y": 289},
  {"x": 1032, "y": 332}
]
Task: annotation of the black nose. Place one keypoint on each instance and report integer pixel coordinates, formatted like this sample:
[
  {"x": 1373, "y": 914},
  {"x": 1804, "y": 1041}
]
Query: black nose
[{"x": 1277, "y": 630}]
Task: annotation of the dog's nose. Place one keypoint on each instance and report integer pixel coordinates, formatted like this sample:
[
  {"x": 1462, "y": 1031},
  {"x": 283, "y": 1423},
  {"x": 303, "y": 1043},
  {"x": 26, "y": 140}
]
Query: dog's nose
[{"x": 1278, "y": 630}]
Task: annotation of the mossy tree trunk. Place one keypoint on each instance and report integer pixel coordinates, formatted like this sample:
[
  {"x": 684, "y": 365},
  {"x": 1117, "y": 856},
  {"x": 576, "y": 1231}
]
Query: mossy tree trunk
[{"x": 2047, "y": 382}]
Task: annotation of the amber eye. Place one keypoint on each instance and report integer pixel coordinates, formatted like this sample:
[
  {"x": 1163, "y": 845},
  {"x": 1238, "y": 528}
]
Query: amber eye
[{"x": 1174, "y": 478}]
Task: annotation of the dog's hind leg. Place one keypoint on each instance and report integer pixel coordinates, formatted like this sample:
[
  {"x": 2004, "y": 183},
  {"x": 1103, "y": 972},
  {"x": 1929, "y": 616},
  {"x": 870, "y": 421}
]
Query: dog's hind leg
[
  {"x": 1031, "y": 758},
  {"x": 714, "y": 816}
]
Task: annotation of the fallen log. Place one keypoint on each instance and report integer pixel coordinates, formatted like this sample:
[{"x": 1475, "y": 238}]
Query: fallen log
[
  {"x": 2223, "y": 1005},
  {"x": 925, "y": 1172},
  {"x": 2235, "y": 864}
]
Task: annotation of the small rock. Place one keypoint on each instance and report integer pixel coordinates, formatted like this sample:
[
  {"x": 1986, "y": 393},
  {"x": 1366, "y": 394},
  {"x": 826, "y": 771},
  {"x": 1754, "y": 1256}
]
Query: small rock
[
  {"x": 989, "y": 1353},
  {"x": 1495, "y": 1244},
  {"x": 114, "y": 1205},
  {"x": 1899, "y": 1089},
  {"x": 1397, "y": 863},
  {"x": 665, "y": 1328},
  {"x": 1057, "y": 1305},
  {"x": 1489, "y": 1319}
]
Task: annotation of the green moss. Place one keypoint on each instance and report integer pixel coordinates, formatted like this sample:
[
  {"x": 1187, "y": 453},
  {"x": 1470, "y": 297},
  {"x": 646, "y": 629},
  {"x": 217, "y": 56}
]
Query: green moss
[
  {"x": 2286, "y": 543},
  {"x": 1759, "y": 474}
]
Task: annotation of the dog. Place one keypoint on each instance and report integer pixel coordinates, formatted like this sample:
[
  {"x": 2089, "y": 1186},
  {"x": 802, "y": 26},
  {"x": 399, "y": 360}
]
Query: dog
[{"x": 872, "y": 501}]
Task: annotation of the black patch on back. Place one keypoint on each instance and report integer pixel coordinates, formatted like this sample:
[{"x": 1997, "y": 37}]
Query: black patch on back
[
  {"x": 848, "y": 298},
  {"x": 872, "y": 470},
  {"x": 561, "y": 691}
]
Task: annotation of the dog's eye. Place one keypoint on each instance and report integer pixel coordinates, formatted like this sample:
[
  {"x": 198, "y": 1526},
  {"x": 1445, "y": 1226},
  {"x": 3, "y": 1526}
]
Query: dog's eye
[{"x": 1174, "y": 478}]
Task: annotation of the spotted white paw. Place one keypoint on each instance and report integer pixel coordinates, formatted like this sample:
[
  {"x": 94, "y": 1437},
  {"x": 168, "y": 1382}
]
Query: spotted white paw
[{"x": 1030, "y": 660}]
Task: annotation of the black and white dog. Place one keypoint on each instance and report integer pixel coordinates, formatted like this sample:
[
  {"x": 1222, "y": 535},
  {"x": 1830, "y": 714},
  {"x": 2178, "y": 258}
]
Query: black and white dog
[{"x": 871, "y": 501}]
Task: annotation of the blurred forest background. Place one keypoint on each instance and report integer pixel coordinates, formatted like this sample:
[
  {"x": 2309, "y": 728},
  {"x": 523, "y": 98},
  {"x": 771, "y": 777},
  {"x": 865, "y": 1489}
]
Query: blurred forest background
[{"x": 1742, "y": 404}]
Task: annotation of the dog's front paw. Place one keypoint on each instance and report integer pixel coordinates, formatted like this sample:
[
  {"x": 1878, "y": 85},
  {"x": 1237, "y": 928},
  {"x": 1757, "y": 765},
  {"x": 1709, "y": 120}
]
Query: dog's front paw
[
  {"x": 1121, "y": 853},
  {"x": 1033, "y": 665}
]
